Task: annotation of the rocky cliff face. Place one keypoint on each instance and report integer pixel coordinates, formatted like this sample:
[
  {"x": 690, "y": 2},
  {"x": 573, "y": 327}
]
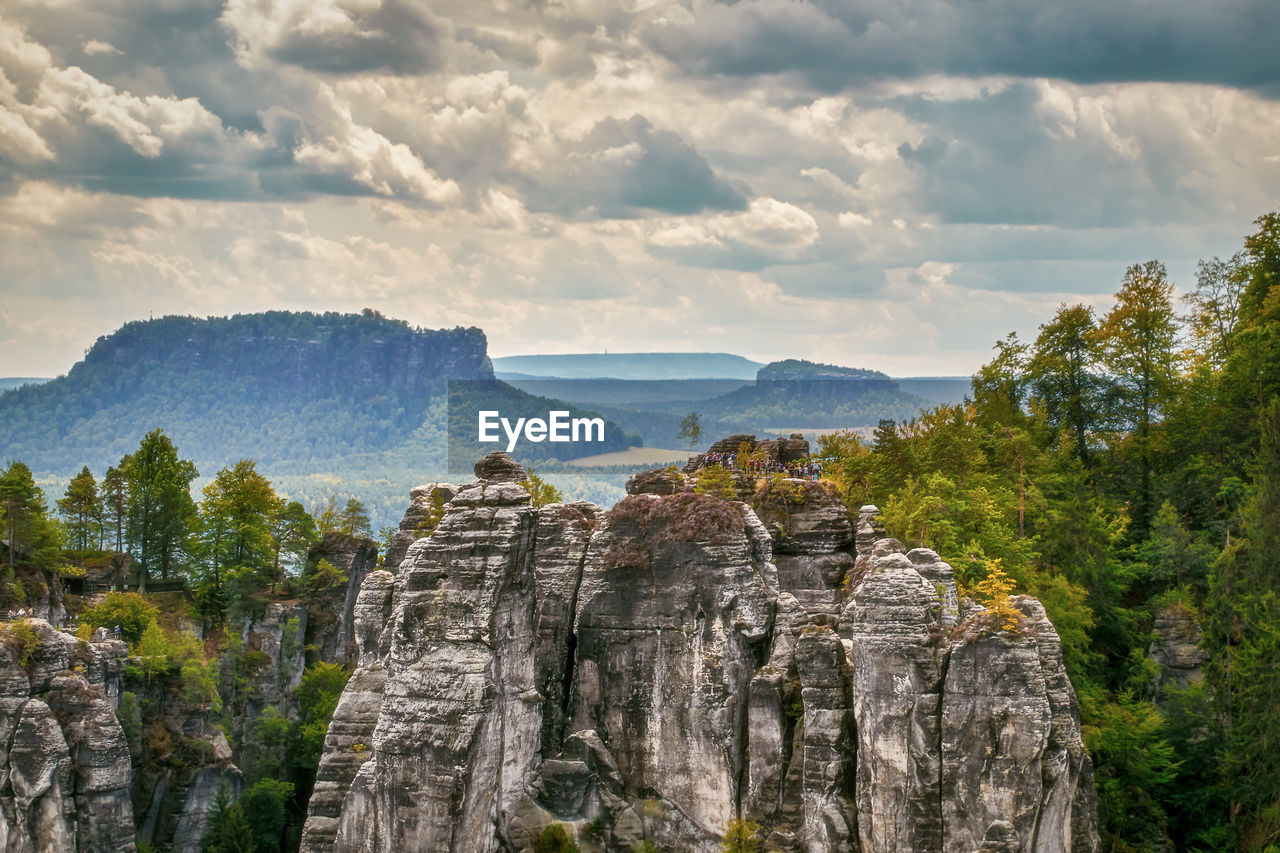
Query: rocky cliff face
[
  {"x": 652, "y": 673},
  {"x": 63, "y": 757}
]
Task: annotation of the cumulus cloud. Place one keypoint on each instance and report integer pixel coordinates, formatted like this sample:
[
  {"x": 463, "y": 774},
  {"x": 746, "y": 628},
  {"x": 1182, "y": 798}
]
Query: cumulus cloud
[
  {"x": 624, "y": 168},
  {"x": 339, "y": 36},
  {"x": 837, "y": 45},
  {"x": 571, "y": 173},
  {"x": 768, "y": 232}
]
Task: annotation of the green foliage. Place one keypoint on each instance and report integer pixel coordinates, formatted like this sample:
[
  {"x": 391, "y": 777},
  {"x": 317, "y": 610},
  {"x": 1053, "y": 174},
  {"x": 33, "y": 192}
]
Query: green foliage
[
  {"x": 82, "y": 508},
  {"x": 33, "y": 538},
  {"x": 322, "y": 582},
  {"x": 128, "y": 610},
  {"x": 741, "y": 836},
  {"x": 159, "y": 509},
  {"x": 1106, "y": 474},
  {"x": 317, "y": 697},
  {"x": 690, "y": 429},
  {"x": 433, "y": 516},
  {"x": 1064, "y": 378},
  {"x": 153, "y": 652},
  {"x": 595, "y": 829},
  {"x": 1135, "y": 769},
  {"x": 716, "y": 481},
  {"x": 554, "y": 839},
  {"x": 541, "y": 492},
  {"x": 23, "y": 641},
  {"x": 228, "y": 830},
  {"x": 129, "y": 713},
  {"x": 264, "y": 807},
  {"x": 270, "y": 737},
  {"x": 200, "y": 685}
]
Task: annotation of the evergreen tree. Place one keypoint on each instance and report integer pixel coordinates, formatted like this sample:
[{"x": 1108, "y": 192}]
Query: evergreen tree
[
  {"x": 354, "y": 518},
  {"x": 293, "y": 532},
  {"x": 236, "y": 546},
  {"x": 82, "y": 508},
  {"x": 541, "y": 492},
  {"x": 115, "y": 502},
  {"x": 1139, "y": 351},
  {"x": 1063, "y": 376},
  {"x": 30, "y": 536},
  {"x": 264, "y": 808},
  {"x": 159, "y": 511},
  {"x": 1244, "y": 641}
]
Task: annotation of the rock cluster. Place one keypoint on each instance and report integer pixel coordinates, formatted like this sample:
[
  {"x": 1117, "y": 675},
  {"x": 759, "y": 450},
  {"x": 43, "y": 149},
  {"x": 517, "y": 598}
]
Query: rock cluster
[
  {"x": 65, "y": 760},
  {"x": 651, "y": 673}
]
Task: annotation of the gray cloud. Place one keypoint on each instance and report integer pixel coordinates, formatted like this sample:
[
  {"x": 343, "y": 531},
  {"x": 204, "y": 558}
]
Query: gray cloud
[
  {"x": 835, "y": 44},
  {"x": 396, "y": 36},
  {"x": 624, "y": 168}
]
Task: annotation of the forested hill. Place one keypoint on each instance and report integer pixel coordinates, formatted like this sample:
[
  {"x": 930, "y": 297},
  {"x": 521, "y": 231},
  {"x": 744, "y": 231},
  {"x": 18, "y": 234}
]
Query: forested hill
[{"x": 277, "y": 387}]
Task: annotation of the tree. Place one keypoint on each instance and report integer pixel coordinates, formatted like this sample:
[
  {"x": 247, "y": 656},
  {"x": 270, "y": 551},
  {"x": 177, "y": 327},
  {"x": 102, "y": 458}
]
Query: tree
[
  {"x": 160, "y": 511},
  {"x": 1139, "y": 337},
  {"x": 81, "y": 507},
  {"x": 235, "y": 535},
  {"x": 540, "y": 491},
  {"x": 691, "y": 429},
  {"x": 317, "y": 698},
  {"x": 354, "y": 518},
  {"x": 1215, "y": 305},
  {"x": 26, "y": 523},
  {"x": 115, "y": 502},
  {"x": 1000, "y": 386},
  {"x": 264, "y": 805},
  {"x": 1243, "y": 637},
  {"x": 1062, "y": 375},
  {"x": 128, "y": 611},
  {"x": 228, "y": 830},
  {"x": 293, "y": 532}
]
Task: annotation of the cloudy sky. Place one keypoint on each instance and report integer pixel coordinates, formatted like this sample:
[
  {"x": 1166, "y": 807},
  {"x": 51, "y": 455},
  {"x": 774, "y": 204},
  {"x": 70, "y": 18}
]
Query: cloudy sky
[{"x": 883, "y": 183}]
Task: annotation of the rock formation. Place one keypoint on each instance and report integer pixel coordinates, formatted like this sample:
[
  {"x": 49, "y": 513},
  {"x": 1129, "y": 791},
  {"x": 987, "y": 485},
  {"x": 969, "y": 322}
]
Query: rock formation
[
  {"x": 651, "y": 673},
  {"x": 1176, "y": 647},
  {"x": 65, "y": 760}
]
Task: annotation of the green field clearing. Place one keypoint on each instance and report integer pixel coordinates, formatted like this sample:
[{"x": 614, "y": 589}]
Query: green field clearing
[{"x": 633, "y": 456}]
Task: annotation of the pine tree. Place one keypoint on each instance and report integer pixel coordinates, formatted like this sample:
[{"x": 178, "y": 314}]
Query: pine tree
[
  {"x": 354, "y": 518},
  {"x": 160, "y": 511},
  {"x": 1063, "y": 376},
  {"x": 82, "y": 508},
  {"x": 1243, "y": 638},
  {"x": 115, "y": 502},
  {"x": 30, "y": 536},
  {"x": 1139, "y": 351}
]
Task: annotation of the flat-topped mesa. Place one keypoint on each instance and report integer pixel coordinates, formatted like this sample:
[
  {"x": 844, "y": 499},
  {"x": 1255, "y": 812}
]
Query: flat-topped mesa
[{"x": 650, "y": 673}]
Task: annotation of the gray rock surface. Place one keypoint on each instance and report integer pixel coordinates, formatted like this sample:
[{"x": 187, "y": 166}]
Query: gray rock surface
[
  {"x": 1176, "y": 647},
  {"x": 423, "y": 501},
  {"x": 348, "y": 743},
  {"x": 651, "y": 673},
  {"x": 498, "y": 467},
  {"x": 333, "y": 632},
  {"x": 64, "y": 756},
  {"x": 665, "y": 655}
]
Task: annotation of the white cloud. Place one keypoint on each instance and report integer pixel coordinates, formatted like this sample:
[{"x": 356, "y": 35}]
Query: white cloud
[{"x": 95, "y": 47}]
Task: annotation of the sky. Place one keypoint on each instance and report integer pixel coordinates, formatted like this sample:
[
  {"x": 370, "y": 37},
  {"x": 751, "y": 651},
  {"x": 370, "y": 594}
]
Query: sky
[{"x": 892, "y": 184}]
